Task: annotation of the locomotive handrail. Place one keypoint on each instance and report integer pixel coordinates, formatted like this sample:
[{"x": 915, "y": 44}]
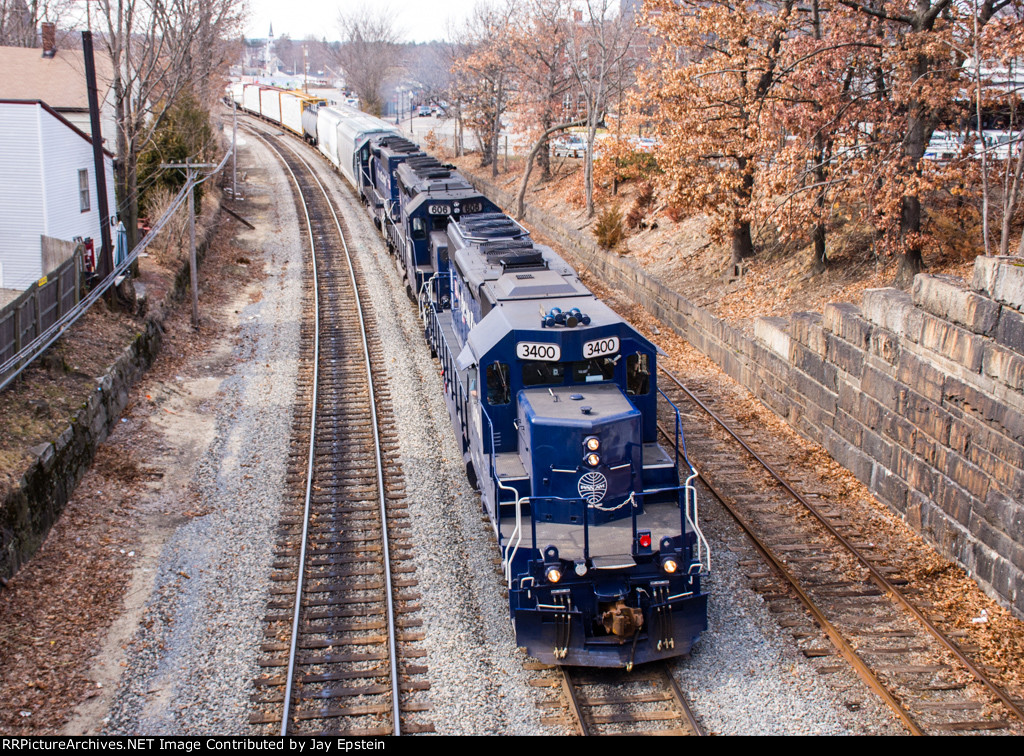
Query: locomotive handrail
[
  {"x": 426, "y": 298},
  {"x": 690, "y": 497},
  {"x": 517, "y": 532}
]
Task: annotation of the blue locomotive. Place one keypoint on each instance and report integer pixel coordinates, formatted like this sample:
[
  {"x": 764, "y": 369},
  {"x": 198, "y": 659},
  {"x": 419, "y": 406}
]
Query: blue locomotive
[{"x": 554, "y": 401}]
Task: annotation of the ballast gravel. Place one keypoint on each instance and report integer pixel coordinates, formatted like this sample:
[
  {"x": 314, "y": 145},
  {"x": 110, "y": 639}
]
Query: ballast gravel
[{"x": 191, "y": 663}]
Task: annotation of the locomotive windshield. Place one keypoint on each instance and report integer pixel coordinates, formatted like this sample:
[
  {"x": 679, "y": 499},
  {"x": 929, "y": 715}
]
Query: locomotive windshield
[{"x": 536, "y": 373}]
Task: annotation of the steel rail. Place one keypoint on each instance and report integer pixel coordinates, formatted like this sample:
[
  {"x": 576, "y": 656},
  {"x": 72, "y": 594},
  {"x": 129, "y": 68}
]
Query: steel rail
[
  {"x": 293, "y": 649},
  {"x": 574, "y": 702},
  {"x": 842, "y": 645},
  {"x": 392, "y": 645},
  {"x": 877, "y": 577},
  {"x": 691, "y": 718}
]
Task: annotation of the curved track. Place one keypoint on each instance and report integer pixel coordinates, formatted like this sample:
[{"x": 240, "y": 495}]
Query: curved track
[
  {"x": 856, "y": 601},
  {"x": 339, "y": 624}
]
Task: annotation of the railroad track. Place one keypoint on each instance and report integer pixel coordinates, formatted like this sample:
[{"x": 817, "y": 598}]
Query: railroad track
[
  {"x": 341, "y": 624},
  {"x": 646, "y": 701},
  {"x": 840, "y": 590}
]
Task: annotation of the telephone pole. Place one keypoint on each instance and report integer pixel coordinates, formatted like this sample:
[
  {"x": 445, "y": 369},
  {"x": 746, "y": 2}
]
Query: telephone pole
[{"x": 191, "y": 170}]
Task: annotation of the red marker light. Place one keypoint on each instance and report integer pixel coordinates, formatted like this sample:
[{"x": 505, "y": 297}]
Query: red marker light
[{"x": 645, "y": 541}]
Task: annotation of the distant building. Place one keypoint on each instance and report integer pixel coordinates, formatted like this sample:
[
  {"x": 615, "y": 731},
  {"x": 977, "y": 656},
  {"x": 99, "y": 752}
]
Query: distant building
[
  {"x": 49, "y": 188},
  {"x": 57, "y": 77}
]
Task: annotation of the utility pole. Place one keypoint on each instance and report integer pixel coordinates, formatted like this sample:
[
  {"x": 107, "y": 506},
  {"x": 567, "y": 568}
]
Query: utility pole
[
  {"x": 191, "y": 169},
  {"x": 234, "y": 150}
]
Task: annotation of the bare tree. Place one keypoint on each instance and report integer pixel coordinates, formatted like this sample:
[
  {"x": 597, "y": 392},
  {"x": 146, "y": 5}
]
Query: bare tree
[
  {"x": 20, "y": 19},
  {"x": 540, "y": 43},
  {"x": 484, "y": 73},
  {"x": 599, "y": 56},
  {"x": 369, "y": 54},
  {"x": 158, "y": 48}
]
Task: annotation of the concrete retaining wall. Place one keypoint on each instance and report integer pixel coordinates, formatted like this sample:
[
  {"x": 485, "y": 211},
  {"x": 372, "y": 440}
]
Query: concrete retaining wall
[{"x": 918, "y": 395}]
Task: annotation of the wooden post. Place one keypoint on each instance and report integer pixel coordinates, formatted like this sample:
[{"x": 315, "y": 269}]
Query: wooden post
[
  {"x": 234, "y": 149},
  {"x": 192, "y": 247}
]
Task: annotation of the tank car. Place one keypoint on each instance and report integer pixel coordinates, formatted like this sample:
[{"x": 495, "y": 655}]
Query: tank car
[{"x": 553, "y": 397}]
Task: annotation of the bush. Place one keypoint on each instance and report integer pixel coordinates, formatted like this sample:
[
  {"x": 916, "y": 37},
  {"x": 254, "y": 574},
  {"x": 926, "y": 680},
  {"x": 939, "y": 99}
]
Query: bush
[
  {"x": 184, "y": 133},
  {"x": 636, "y": 218},
  {"x": 609, "y": 231}
]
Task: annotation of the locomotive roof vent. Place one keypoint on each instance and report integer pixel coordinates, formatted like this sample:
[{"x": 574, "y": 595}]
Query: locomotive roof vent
[{"x": 523, "y": 260}]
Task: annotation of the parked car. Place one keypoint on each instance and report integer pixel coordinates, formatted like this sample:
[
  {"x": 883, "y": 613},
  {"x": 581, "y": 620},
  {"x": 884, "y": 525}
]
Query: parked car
[
  {"x": 423, "y": 110},
  {"x": 571, "y": 145}
]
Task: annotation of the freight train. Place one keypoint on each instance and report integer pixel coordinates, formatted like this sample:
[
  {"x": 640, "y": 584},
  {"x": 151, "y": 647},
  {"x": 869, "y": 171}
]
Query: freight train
[{"x": 554, "y": 401}]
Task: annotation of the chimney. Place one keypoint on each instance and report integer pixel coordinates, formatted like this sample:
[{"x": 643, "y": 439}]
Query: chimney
[{"x": 49, "y": 39}]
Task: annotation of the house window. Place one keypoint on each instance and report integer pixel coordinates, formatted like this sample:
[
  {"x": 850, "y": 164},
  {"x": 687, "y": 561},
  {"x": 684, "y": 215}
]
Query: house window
[{"x": 83, "y": 190}]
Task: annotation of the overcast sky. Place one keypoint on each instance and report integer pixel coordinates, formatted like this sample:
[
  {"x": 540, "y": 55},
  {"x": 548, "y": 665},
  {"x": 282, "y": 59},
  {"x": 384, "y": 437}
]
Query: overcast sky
[{"x": 421, "y": 20}]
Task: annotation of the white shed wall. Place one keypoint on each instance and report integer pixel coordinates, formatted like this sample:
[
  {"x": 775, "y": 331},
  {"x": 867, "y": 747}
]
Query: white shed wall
[
  {"x": 45, "y": 155},
  {"x": 21, "y": 196}
]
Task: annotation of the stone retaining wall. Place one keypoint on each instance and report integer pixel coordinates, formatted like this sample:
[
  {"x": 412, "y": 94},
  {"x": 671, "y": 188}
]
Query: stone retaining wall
[
  {"x": 33, "y": 505},
  {"x": 918, "y": 395}
]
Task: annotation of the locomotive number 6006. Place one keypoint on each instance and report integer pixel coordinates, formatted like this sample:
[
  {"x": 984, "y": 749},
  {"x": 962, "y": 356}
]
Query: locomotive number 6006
[
  {"x": 528, "y": 350},
  {"x": 601, "y": 347}
]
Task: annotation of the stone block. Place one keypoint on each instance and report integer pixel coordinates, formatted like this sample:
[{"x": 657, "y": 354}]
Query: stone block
[
  {"x": 1002, "y": 278},
  {"x": 999, "y": 542},
  {"x": 1010, "y": 331},
  {"x": 916, "y": 502},
  {"x": 889, "y": 488},
  {"x": 965, "y": 475},
  {"x": 774, "y": 334},
  {"x": 845, "y": 321},
  {"x": 899, "y": 430},
  {"x": 925, "y": 415},
  {"x": 886, "y": 345},
  {"x": 987, "y": 409},
  {"x": 880, "y": 387},
  {"x": 807, "y": 360},
  {"x": 848, "y": 455},
  {"x": 956, "y": 501},
  {"x": 1004, "y": 513},
  {"x": 918, "y": 474},
  {"x": 1003, "y": 365},
  {"x": 952, "y": 342},
  {"x": 948, "y": 298},
  {"x": 844, "y": 355},
  {"x": 806, "y": 329},
  {"x": 813, "y": 391},
  {"x": 985, "y": 271},
  {"x": 848, "y": 428},
  {"x": 921, "y": 376},
  {"x": 878, "y": 448},
  {"x": 893, "y": 310}
]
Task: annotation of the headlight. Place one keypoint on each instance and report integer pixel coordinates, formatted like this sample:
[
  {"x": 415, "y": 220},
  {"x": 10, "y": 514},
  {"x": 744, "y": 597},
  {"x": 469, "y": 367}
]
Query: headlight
[
  {"x": 593, "y": 459},
  {"x": 669, "y": 564},
  {"x": 593, "y": 443},
  {"x": 553, "y": 574}
]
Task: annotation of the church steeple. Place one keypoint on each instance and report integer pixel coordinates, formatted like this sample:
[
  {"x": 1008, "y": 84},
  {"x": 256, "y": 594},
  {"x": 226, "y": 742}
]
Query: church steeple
[{"x": 271, "y": 35}]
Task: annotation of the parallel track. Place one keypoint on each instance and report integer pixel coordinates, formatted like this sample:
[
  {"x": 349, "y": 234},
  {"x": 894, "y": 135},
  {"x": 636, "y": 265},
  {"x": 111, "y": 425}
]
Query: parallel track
[
  {"x": 332, "y": 625},
  {"x": 853, "y": 598}
]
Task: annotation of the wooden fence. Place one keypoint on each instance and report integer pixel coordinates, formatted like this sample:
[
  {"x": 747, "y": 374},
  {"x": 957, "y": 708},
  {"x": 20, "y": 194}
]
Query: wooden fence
[{"x": 39, "y": 307}]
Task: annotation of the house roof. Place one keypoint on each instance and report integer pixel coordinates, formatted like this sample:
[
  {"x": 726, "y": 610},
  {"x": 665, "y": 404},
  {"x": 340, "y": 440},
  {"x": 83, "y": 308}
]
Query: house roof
[{"x": 57, "y": 81}]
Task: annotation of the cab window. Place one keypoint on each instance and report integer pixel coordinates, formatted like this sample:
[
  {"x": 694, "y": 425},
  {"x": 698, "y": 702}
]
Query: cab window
[
  {"x": 419, "y": 229},
  {"x": 638, "y": 374},
  {"x": 594, "y": 371},
  {"x": 498, "y": 388},
  {"x": 537, "y": 373}
]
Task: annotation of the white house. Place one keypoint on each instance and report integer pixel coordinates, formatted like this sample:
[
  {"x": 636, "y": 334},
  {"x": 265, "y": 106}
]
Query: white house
[{"x": 48, "y": 188}]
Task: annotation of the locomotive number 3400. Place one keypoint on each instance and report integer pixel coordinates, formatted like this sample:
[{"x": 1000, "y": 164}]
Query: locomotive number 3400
[
  {"x": 601, "y": 347},
  {"x": 527, "y": 350}
]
